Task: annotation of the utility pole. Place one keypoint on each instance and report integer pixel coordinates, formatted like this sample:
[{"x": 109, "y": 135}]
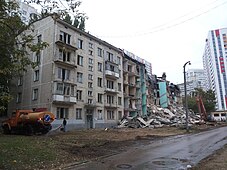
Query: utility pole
[{"x": 185, "y": 95}]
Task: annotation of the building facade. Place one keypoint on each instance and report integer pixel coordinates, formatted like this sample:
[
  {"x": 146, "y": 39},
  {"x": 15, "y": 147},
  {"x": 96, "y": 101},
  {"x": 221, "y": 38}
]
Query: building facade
[
  {"x": 78, "y": 77},
  {"x": 195, "y": 78},
  {"x": 26, "y": 11},
  {"x": 215, "y": 65},
  {"x": 134, "y": 87}
]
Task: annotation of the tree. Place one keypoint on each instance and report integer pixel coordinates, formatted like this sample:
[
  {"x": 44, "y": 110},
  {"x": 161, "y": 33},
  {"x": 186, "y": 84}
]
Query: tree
[
  {"x": 67, "y": 19},
  {"x": 66, "y": 9},
  {"x": 15, "y": 46},
  {"x": 208, "y": 98}
]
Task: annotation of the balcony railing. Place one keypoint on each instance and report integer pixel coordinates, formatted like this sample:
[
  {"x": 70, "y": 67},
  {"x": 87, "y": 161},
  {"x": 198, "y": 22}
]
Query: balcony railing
[
  {"x": 111, "y": 90},
  {"x": 64, "y": 99},
  {"x": 112, "y": 74},
  {"x": 65, "y": 63},
  {"x": 110, "y": 105}
]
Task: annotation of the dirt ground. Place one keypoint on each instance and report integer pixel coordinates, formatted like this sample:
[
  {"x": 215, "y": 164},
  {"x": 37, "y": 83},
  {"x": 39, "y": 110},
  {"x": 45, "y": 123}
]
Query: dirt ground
[
  {"x": 74, "y": 147},
  {"x": 92, "y": 144}
]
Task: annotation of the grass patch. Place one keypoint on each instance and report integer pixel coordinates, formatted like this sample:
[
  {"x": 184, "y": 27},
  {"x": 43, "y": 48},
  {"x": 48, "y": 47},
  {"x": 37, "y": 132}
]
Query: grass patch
[{"x": 26, "y": 152}]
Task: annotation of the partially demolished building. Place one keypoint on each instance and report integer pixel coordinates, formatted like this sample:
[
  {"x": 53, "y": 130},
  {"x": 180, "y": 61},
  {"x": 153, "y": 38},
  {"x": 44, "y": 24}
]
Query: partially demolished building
[{"x": 90, "y": 82}]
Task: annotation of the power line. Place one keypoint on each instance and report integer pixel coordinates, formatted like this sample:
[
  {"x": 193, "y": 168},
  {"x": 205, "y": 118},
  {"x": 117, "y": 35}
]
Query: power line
[{"x": 163, "y": 27}]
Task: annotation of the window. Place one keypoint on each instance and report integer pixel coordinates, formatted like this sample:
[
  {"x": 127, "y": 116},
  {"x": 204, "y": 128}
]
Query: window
[
  {"x": 90, "y": 101},
  {"x": 35, "y": 94},
  {"x": 39, "y": 38},
  {"x": 59, "y": 88},
  {"x": 90, "y": 45},
  {"x": 112, "y": 68},
  {"x": 119, "y": 115},
  {"x": 119, "y": 86},
  {"x": 109, "y": 56},
  {"x": 64, "y": 56},
  {"x": 110, "y": 99},
  {"x": 79, "y": 77},
  {"x": 20, "y": 81},
  {"x": 79, "y": 60},
  {"x": 80, "y": 44},
  {"x": 90, "y": 93},
  {"x": 19, "y": 97},
  {"x": 90, "y": 68},
  {"x": 66, "y": 89},
  {"x": 118, "y": 60},
  {"x": 129, "y": 68},
  {"x": 37, "y": 58},
  {"x": 90, "y": 52},
  {"x": 90, "y": 77},
  {"x": 100, "y": 67},
  {"x": 78, "y": 113},
  {"x": 110, "y": 114},
  {"x": 79, "y": 94},
  {"x": 99, "y": 98},
  {"x": 99, "y": 52},
  {"x": 99, "y": 82},
  {"x": 119, "y": 101},
  {"x": 64, "y": 37},
  {"x": 99, "y": 114},
  {"x": 90, "y": 61},
  {"x": 63, "y": 73},
  {"x": 62, "y": 113},
  {"x": 90, "y": 85},
  {"x": 36, "y": 75},
  {"x": 110, "y": 84}
]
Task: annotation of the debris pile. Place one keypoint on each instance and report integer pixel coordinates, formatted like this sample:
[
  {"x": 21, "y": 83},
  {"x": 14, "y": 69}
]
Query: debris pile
[{"x": 160, "y": 117}]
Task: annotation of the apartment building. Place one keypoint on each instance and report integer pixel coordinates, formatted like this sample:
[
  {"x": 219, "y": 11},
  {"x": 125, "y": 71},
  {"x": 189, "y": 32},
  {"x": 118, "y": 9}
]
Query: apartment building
[
  {"x": 78, "y": 77},
  {"x": 195, "y": 78},
  {"x": 215, "y": 65},
  {"x": 134, "y": 87},
  {"x": 26, "y": 11}
]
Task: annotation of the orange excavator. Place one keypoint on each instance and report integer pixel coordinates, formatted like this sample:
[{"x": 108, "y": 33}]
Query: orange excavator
[{"x": 202, "y": 109}]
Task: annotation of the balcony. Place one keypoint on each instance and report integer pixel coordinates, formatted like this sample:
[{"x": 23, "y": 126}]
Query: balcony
[
  {"x": 65, "y": 63},
  {"x": 64, "y": 99},
  {"x": 90, "y": 105},
  {"x": 112, "y": 74},
  {"x": 110, "y": 105},
  {"x": 109, "y": 90},
  {"x": 68, "y": 46}
]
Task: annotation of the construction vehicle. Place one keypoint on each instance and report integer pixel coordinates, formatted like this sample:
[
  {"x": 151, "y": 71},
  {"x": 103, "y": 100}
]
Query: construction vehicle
[
  {"x": 28, "y": 122},
  {"x": 201, "y": 107}
]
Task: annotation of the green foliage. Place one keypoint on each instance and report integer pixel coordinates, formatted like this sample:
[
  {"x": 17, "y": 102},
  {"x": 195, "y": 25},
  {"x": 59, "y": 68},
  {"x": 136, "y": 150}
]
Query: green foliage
[
  {"x": 65, "y": 9},
  {"x": 208, "y": 98},
  {"x": 68, "y": 19},
  {"x": 15, "y": 47}
]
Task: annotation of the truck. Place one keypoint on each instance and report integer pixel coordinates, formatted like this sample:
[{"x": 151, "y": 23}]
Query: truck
[{"x": 28, "y": 122}]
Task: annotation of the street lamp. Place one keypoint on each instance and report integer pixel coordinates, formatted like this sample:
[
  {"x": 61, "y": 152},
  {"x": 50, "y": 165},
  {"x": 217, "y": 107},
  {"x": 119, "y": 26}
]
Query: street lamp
[{"x": 185, "y": 95}]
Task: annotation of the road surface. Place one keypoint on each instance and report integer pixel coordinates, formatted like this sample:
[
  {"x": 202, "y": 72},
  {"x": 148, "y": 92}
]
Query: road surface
[{"x": 178, "y": 152}]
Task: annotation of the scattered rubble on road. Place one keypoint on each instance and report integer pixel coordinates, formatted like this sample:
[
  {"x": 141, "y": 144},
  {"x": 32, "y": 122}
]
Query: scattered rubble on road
[{"x": 160, "y": 117}]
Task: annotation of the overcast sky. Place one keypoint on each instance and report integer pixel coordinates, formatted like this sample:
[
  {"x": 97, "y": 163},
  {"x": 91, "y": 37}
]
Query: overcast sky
[
  {"x": 167, "y": 33},
  {"x": 163, "y": 32}
]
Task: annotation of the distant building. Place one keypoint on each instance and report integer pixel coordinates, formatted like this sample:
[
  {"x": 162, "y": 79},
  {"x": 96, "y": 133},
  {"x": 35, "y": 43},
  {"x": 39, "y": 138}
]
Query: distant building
[
  {"x": 195, "y": 78},
  {"x": 26, "y": 11},
  {"x": 215, "y": 65}
]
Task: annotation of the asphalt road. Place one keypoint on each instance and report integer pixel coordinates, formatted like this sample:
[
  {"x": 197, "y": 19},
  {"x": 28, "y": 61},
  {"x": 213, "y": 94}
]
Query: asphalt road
[{"x": 178, "y": 152}]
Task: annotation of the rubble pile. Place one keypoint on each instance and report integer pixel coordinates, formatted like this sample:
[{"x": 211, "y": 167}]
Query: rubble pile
[{"x": 160, "y": 117}]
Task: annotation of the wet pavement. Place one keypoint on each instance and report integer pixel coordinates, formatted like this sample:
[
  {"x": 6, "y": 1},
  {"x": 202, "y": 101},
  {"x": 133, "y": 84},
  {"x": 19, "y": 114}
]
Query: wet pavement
[{"x": 178, "y": 152}]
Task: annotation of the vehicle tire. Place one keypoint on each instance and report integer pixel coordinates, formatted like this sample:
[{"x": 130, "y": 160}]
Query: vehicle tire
[
  {"x": 29, "y": 130},
  {"x": 6, "y": 129}
]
